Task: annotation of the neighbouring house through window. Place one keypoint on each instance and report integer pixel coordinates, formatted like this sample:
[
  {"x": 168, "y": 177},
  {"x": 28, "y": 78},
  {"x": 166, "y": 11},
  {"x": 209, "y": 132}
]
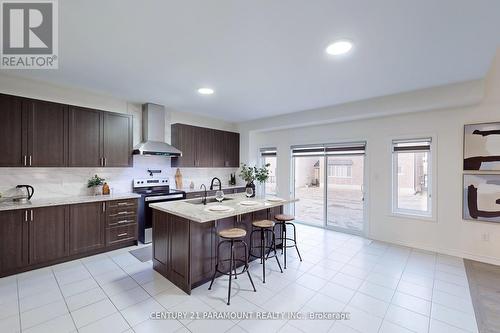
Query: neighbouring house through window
[{"x": 412, "y": 176}]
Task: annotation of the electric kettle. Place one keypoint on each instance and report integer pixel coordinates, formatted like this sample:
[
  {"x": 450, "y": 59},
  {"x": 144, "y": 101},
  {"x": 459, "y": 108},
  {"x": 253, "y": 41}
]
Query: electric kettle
[{"x": 23, "y": 197}]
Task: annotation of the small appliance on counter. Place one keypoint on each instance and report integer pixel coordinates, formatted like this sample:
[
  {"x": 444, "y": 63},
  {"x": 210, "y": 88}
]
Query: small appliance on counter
[
  {"x": 152, "y": 190},
  {"x": 22, "y": 196}
]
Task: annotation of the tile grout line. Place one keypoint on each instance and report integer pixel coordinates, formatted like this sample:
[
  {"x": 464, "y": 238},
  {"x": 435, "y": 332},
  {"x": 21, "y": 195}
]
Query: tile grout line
[
  {"x": 395, "y": 291},
  {"x": 64, "y": 299},
  {"x": 18, "y": 303},
  {"x": 140, "y": 285}
]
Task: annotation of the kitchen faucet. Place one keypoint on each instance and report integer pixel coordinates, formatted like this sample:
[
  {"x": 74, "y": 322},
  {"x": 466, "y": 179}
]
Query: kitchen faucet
[
  {"x": 204, "y": 200},
  {"x": 212, "y": 184}
]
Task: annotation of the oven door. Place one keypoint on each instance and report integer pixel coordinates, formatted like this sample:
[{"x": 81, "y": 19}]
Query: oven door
[{"x": 148, "y": 212}]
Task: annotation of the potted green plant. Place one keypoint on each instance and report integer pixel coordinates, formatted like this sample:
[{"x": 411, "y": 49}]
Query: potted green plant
[
  {"x": 251, "y": 174},
  {"x": 95, "y": 184}
]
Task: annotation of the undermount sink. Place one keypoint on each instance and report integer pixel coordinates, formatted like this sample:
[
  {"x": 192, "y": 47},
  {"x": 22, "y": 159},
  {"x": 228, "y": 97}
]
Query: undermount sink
[{"x": 199, "y": 201}]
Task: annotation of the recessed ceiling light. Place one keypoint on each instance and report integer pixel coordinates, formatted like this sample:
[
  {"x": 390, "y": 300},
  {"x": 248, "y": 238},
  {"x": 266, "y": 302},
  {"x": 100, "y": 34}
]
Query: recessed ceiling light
[
  {"x": 206, "y": 91},
  {"x": 339, "y": 47}
]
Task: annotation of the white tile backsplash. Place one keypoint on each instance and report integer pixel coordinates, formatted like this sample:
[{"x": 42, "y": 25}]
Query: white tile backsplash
[{"x": 57, "y": 182}]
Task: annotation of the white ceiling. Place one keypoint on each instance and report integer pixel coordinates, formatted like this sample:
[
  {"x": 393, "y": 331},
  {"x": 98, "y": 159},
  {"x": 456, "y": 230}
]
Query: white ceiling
[{"x": 264, "y": 57}]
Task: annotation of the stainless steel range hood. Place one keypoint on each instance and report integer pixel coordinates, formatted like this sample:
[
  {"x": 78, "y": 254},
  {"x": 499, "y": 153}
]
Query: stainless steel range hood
[{"x": 153, "y": 133}]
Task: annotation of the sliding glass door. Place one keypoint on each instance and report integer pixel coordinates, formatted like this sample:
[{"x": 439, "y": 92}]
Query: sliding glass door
[
  {"x": 309, "y": 188},
  {"x": 345, "y": 198},
  {"x": 329, "y": 183}
]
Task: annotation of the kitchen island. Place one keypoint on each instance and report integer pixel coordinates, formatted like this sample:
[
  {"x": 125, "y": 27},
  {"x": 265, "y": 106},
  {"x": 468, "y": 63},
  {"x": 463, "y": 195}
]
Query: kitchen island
[{"x": 185, "y": 235}]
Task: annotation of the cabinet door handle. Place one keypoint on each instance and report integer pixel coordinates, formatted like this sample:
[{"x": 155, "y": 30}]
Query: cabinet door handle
[
  {"x": 103, "y": 206},
  {"x": 104, "y": 159},
  {"x": 122, "y": 204},
  {"x": 123, "y": 221},
  {"x": 121, "y": 235},
  {"x": 25, "y": 160},
  {"x": 25, "y": 216},
  {"x": 31, "y": 215},
  {"x": 30, "y": 160}
]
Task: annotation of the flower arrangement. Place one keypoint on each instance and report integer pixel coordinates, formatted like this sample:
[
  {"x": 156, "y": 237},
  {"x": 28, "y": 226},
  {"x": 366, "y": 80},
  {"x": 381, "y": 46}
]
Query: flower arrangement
[
  {"x": 95, "y": 181},
  {"x": 250, "y": 174}
]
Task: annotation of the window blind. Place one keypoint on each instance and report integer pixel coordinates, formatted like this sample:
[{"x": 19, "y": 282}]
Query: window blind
[
  {"x": 413, "y": 145},
  {"x": 356, "y": 148},
  {"x": 268, "y": 152}
]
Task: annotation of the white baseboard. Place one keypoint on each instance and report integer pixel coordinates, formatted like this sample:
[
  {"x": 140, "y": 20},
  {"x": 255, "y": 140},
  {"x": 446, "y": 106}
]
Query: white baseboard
[{"x": 450, "y": 252}]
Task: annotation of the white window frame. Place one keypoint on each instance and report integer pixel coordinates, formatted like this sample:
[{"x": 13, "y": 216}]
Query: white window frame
[
  {"x": 261, "y": 163},
  {"x": 431, "y": 172}
]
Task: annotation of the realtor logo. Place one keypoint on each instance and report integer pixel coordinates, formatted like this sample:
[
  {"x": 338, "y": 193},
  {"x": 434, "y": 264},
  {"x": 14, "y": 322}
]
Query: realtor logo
[{"x": 29, "y": 34}]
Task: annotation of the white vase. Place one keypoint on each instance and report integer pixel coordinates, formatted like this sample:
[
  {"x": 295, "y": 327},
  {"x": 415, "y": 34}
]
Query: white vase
[{"x": 97, "y": 190}]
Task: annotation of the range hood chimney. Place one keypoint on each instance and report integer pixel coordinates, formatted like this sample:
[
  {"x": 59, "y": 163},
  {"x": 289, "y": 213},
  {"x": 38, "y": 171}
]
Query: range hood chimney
[{"x": 153, "y": 133}]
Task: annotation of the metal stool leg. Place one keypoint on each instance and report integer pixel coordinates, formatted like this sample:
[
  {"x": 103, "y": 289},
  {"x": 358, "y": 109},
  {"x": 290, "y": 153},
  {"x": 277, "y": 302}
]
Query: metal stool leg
[
  {"x": 295, "y": 240},
  {"x": 216, "y": 265},
  {"x": 262, "y": 251},
  {"x": 273, "y": 247},
  {"x": 231, "y": 264},
  {"x": 284, "y": 244},
  {"x": 246, "y": 266}
]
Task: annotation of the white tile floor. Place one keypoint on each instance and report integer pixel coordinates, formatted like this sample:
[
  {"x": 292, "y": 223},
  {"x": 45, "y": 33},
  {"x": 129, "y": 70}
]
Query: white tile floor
[{"x": 386, "y": 288}]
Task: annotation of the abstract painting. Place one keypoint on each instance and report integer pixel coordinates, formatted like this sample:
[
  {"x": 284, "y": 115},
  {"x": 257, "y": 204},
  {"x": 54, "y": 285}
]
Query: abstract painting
[
  {"x": 482, "y": 146},
  {"x": 481, "y": 198}
]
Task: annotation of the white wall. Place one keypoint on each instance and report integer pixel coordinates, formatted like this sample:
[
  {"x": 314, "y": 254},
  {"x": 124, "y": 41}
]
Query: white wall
[
  {"x": 448, "y": 233},
  {"x": 50, "y": 182}
]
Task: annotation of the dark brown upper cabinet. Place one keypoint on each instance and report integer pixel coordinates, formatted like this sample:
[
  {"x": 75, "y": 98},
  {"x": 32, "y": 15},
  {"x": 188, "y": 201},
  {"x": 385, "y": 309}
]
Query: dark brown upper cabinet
[
  {"x": 204, "y": 147},
  {"x": 117, "y": 145},
  {"x": 12, "y": 132},
  {"x": 99, "y": 139},
  {"x": 85, "y": 137},
  {"x": 183, "y": 139},
  {"x": 36, "y": 133},
  {"x": 47, "y": 134}
]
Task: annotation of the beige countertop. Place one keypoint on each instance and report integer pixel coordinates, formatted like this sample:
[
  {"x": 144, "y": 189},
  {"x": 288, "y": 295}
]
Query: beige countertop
[
  {"x": 199, "y": 213},
  {"x": 197, "y": 189},
  {"x": 70, "y": 200}
]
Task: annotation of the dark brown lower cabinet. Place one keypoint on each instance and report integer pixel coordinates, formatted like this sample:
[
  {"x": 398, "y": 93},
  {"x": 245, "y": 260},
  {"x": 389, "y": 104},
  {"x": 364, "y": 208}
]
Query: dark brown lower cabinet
[
  {"x": 185, "y": 251},
  {"x": 48, "y": 234},
  {"x": 13, "y": 240},
  {"x": 86, "y": 230},
  {"x": 33, "y": 238}
]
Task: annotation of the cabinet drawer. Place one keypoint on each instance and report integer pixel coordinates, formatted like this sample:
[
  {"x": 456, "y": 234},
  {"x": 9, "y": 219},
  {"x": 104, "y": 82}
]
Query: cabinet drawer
[
  {"x": 121, "y": 234},
  {"x": 120, "y": 212},
  {"x": 121, "y": 203},
  {"x": 121, "y": 220}
]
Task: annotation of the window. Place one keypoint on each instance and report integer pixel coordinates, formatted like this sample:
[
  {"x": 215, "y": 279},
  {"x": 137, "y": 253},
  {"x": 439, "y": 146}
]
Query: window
[
  {"x": 412, "y": 177},
  {"x": 340, "y": 171},
  {"x": 269, "y": 156}
]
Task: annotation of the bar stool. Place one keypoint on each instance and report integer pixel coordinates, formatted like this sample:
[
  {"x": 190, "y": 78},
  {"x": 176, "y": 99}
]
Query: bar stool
[
  {"x": 264, "y": 227},
  {"x": 232, "y": 236},
  {"x": 283, "y": 220}
]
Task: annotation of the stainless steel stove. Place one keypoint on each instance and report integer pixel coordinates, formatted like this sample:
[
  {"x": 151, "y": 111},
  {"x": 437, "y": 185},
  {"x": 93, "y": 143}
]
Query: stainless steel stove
[{"x": 152, "y": 190}]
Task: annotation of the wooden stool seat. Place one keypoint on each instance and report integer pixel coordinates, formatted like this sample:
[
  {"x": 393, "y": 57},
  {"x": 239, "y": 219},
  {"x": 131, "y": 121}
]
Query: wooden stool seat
[
  {"x": 284, "y": 217},
  {"x": 232, "y": 233},
  {"x": 263, "y": 224}
]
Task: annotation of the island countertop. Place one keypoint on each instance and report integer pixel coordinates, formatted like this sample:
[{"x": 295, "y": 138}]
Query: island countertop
[{"x": 199, "y": 212}]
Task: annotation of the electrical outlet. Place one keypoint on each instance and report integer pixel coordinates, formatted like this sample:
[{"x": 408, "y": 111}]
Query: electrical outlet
[{"x": 485, "y": 237}]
